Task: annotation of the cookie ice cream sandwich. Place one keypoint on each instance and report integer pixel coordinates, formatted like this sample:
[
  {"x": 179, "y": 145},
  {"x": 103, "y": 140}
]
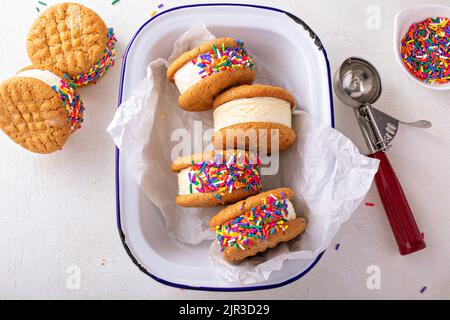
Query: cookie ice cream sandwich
[
  {"x": 39, "y": 109},
  {"x": 204, "y": 72},
  {"x": 253, "y": 111},
  {"x": 217, "y": 178},
  {"x": 257, "y": 224},
  {"x": 74, "y": 40}
]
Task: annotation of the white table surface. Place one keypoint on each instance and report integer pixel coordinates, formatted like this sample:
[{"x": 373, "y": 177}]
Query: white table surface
[{"x": 59, "y": 210}]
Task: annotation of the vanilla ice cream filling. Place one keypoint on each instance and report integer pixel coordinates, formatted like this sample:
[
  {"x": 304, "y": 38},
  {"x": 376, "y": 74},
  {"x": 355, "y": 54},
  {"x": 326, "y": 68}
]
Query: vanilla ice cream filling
[
  {"x": 184, "y": 184},
  {"x": 258, "y": 109},
  {"x": 187, "y": 76},
  {"x": 45, "y": 76}
]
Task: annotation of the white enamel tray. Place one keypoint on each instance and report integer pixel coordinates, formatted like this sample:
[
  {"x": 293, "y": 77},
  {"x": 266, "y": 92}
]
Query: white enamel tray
[{"x": 290, "y": 49}]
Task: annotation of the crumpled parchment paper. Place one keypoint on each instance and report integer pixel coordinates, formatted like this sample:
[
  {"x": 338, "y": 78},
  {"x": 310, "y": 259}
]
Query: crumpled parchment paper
[{"x": 327, "y": 172}]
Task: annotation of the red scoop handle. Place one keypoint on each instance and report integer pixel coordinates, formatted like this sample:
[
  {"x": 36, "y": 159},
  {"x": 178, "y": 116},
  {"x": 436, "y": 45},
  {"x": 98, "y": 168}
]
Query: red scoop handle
[{"x": 407, "y": 234}]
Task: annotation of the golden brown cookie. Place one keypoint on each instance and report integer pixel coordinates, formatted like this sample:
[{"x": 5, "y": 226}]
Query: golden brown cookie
[
  {"x": 217, "y": 178},
  {"x": 257, "y": 224},
  {"x": 251, "y": 116},
  {"x": 295, "y": 228},
  {"x": 39, "y": 110},
  {"x": 74, "y": 40},
  {"x": 206, "y": 71}
]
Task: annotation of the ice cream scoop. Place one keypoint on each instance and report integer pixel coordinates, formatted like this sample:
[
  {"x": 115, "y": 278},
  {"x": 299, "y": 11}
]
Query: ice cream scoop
[{"x": 358, "y": 84}]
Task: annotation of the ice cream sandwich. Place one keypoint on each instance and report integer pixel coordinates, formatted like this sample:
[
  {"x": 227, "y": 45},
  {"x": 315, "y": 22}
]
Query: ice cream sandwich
[
  {"x": 40, "y": 109},
  {"x": 249, "y": 115},
  {"x": 217, "y": 178},
  {"x": 257, "y": 224},
  {"x": 206, "y": 71}
]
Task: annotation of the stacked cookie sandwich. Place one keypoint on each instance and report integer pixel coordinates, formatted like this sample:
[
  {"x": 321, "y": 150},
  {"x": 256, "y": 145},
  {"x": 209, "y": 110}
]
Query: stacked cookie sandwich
[{"x": 265, "y": 111}]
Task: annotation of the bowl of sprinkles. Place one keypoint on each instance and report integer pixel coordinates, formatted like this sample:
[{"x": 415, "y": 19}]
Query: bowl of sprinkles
[{"x": 422, "y": 45}]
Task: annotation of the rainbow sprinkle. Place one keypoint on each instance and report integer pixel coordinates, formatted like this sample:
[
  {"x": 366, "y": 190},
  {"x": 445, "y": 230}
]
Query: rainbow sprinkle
[
  {"x": 222, "y": 175},
  {"x": 223, "y": 59},
  {"x": 258, "y": 223},
  {"x": 426, "y": 50},
  {"x": 103, "y": 65},
  {"x": 71, "y": 103}
]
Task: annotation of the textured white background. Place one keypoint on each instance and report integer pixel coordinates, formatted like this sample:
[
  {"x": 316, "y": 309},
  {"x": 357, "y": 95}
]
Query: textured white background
[{"x": 59, "y": 210}]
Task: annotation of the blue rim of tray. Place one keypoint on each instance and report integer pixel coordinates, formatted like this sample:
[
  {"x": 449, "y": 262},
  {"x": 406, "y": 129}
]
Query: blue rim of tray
[{"x": 320, "y": 47}]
